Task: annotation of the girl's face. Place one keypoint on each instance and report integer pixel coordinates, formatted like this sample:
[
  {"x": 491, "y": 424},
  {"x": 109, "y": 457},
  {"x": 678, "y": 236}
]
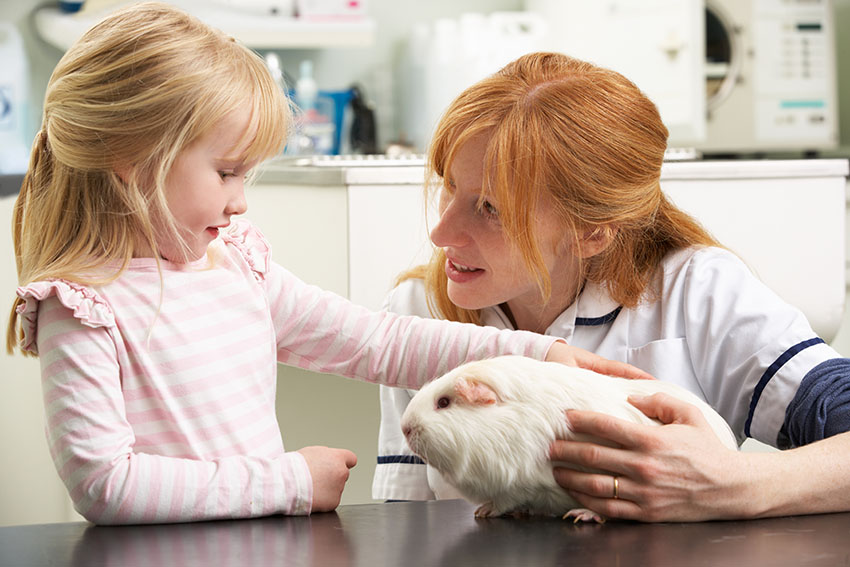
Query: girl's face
[
  {"x": 483, "y": 268},
  {"x": 205, "y": 186}
]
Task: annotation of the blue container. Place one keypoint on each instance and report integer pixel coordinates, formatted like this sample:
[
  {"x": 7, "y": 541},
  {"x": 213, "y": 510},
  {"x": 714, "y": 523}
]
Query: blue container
[
  {"x": 340, "y": 103},
  {"x": 70, "y": 6}
]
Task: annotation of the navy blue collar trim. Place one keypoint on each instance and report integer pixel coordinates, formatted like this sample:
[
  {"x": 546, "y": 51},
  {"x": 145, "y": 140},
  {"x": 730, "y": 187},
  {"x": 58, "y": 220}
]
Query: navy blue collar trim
[
  {"x": 769, "y": 373},
  {"x": 596, "y": 321}
]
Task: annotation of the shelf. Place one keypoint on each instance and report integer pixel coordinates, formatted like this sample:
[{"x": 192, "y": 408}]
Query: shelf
[{"x": 258, "y": 32}]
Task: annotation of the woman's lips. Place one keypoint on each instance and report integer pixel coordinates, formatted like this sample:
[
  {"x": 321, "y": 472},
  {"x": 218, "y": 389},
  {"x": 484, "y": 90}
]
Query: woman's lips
[{"x": 461, "y": 273}]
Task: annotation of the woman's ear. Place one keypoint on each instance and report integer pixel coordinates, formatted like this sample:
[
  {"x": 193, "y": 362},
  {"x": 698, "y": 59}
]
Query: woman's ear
[{"x": 596, "y": 240}]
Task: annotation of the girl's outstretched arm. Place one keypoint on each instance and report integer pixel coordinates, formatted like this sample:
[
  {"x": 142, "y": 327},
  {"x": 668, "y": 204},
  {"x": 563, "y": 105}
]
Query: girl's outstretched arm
[{"x": 321, "y": 331}]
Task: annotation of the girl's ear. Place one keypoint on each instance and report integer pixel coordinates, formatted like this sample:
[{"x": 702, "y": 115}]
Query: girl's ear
[
  {"x": 124, "y": 171},
  {"x": 596, "y": 240}
]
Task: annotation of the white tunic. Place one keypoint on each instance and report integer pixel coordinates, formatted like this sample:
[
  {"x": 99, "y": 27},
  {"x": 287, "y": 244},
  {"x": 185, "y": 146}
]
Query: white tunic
[{"x": 716, "y": 330}]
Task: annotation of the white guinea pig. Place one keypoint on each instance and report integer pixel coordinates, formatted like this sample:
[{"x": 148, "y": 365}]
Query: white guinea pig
[{"x": 487, "y": 426}]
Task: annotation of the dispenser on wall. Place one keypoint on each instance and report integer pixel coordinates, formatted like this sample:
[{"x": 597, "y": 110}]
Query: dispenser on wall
[{"x": 13, "y": 95}]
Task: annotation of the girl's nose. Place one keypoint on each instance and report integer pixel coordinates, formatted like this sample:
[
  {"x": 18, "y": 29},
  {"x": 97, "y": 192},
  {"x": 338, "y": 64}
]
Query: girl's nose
[{"x": 238, "y": 205}]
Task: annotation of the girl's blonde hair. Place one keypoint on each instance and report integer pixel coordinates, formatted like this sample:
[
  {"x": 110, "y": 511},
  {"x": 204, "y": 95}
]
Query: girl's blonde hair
[
  {"x": 588, "y": 140},
  {"x": 122, "y": 103}
]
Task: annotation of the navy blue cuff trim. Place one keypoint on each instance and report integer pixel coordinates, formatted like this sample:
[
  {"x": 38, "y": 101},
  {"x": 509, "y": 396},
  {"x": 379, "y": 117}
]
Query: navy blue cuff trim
[
  {"x": 406, "y": 459},
  {"x": 769, "y": 373},
  {"x": 595, "y": 321}
]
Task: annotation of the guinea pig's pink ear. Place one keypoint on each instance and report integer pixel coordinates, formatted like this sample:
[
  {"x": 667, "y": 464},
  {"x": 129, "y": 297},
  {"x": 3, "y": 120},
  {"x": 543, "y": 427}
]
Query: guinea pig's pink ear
[{"x": 475, "y": 393}]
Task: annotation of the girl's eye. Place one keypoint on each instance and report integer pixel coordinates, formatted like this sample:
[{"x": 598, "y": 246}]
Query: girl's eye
[
  {"x": 443, "y": 402},
  {"x": 225, "y": 174}
]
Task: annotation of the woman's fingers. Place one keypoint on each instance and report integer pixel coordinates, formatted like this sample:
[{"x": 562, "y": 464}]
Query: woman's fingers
[
  {"x": 668, "y": 409},
  {"x": 606, "y": 494},
  {"x": 614, "y": 368}
]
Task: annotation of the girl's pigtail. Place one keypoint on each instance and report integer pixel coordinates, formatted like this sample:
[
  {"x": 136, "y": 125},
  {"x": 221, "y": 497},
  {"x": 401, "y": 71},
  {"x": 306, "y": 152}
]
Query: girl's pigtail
[{"x": 37, "y": 175}]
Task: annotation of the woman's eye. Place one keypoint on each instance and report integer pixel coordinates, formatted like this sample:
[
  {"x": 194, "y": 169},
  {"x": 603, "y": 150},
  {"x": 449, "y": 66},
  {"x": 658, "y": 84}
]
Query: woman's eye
[
  {"x": 443, "y": 402},
  {"x": 488, "y": 209}
]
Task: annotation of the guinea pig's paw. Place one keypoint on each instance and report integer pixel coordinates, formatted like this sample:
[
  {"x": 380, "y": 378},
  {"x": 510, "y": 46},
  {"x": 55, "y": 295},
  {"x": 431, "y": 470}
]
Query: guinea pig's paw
[
  {"x": 487, "y": 510},
  {"x": 584, "y": 515}
]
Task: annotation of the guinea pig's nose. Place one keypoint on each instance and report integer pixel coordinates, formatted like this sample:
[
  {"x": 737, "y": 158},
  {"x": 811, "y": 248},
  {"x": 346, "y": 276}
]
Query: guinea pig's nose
[{"x": 406, "y": 429}]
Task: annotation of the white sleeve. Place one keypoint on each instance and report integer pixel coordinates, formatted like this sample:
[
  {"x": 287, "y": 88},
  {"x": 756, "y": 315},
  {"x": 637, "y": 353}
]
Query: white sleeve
[
  {"x": 399, "y": 474},
  {"x": 750, "y": 348}
]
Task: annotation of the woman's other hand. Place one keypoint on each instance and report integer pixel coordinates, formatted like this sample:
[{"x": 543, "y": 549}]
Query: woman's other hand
[{"x": 677, "y": 472}]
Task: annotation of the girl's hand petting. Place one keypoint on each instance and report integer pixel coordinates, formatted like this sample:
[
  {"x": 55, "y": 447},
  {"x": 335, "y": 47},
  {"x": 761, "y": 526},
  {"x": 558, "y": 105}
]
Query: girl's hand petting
[
  {"x": 329, "y": 469},
  {"x": 575, "y": 356},
  {"x": 677, "y": 472}
]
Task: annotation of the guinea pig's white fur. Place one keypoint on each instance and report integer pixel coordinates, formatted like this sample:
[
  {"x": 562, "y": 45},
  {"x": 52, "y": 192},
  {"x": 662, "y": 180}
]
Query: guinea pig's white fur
[{"x": 487, "y": 426}]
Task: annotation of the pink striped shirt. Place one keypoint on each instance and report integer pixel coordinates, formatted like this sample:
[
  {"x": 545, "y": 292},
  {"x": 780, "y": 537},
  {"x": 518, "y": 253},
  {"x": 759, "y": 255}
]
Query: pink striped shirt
[{"x": 159, "y": 389}]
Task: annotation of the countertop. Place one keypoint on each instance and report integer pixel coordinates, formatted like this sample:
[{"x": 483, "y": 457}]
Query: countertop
[
  {"x": 442, "y": 533},
  {"x": 380, "y": 170}
]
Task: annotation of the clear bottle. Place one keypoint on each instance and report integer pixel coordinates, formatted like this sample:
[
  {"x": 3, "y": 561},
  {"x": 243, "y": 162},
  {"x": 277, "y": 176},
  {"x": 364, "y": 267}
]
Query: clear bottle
[{"x": 314, "y": 127}]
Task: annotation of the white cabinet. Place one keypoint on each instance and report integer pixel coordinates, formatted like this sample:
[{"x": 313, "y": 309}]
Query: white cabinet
[
  {"x": 350, "y": 230},
  {"x": 785, "y": 218}
]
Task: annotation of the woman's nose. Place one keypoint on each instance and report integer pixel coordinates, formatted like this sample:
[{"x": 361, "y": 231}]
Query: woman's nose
[{"x": 449, "y": 229}]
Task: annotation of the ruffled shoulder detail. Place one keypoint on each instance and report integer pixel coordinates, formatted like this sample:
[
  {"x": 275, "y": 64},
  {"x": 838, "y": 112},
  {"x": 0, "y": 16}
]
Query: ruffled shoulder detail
[
  {"x": 251, "y": 245},
  {"x": 87, "y": 306}
]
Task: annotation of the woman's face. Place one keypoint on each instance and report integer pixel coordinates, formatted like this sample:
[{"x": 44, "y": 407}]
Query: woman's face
[{"x": 483, "y": 268}]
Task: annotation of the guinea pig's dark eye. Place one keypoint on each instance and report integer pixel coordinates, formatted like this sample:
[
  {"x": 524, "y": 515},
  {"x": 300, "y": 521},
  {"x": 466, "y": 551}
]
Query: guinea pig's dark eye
[{"x": 443, "y": 402}]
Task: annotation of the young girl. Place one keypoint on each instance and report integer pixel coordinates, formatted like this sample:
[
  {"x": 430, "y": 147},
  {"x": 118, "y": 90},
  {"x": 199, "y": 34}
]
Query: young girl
[
  {"x": 553, "y": 220},
  {"x": 158, "y": 321}
]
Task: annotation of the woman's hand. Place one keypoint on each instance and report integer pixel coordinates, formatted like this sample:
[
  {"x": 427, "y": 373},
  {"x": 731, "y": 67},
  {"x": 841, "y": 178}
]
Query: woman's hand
[
  {"x": 329, "y": 469},
  {"x": 678, "y": 472},
  {"x": 574, "y": 356}
]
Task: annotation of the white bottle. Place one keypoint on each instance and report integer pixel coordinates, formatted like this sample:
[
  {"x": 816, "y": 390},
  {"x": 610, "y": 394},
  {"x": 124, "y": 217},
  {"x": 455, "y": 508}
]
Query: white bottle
[
  {"x": 306, "y": 89},
  {"x": 314, "y": 128},
  {"x": 13, "y": 95}
]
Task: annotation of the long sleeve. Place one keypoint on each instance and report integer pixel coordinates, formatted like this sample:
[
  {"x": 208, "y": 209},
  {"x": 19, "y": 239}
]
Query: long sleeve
[
  {"x": 110, "y": 478},
  {"x": 821, "y": 407},
  {"x": 321, "y": 331}
]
